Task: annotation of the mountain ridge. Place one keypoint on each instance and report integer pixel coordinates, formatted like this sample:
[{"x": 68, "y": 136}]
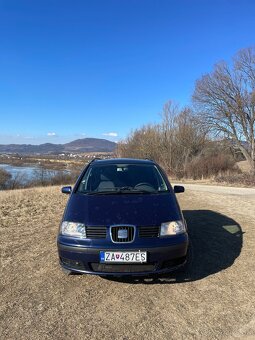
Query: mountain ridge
[{"x": 75, "y": 146}]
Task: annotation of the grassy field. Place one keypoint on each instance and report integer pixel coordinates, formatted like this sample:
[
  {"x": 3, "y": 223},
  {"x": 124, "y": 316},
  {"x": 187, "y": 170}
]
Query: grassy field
[{"x": 215, "y": 299}]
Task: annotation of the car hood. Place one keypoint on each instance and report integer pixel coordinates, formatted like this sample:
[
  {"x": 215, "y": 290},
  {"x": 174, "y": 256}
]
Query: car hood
[{"x": 135, "y": 209}]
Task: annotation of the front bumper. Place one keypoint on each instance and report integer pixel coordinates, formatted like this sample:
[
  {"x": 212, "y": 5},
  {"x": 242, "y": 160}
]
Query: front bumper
[{"x": 161, "y": 259}]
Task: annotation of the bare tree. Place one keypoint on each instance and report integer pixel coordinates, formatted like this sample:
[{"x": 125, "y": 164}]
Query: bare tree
[
  {"x": 141, "y": 143},
  {"x": 180, "y": 138},
  {"x": 190, "y": 140},
  {"x": 172, "y": 143},
  {"x": 17, "y": 181},
  {"x": 42, "y": 176},
  {"x": 225, "y": 100},
  {"x": 169, "y": 114}
]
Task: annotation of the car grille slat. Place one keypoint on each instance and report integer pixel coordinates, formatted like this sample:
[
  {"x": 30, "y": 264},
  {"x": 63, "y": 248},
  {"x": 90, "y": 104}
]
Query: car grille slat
[
  {"x": 95, "y": 232},
  {"x": 149, "y": 231},
  {"x": 116, "y": 234},
  {"x": 122, "y": 268}
]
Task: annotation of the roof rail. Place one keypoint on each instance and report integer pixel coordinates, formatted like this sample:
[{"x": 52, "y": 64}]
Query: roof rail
[{"x": 95, "y": 159}]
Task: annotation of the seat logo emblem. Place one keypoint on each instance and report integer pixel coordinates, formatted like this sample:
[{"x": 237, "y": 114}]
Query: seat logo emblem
[{"x": 122, "y": 233}]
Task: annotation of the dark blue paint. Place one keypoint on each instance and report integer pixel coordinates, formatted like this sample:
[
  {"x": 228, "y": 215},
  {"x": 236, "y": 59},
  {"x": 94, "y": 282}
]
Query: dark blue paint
[
  {"x": 133, "y": 209},
  {"x": 137, "y": 209}
]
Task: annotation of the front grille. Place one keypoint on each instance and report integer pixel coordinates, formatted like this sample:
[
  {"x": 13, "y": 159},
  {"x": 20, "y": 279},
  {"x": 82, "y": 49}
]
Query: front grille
[
  {"x": 95, "y": 232},
  {"x": 150, "y": 231},
  {"x": 122, "y": 268},
  {"x": 122, "y": 234}
]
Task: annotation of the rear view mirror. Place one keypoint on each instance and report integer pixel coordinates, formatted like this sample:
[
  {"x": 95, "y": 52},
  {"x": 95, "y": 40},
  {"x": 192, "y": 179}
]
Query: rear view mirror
[
  {"x": 178, "y": 189},
  {"x": 66, "y": 190}
]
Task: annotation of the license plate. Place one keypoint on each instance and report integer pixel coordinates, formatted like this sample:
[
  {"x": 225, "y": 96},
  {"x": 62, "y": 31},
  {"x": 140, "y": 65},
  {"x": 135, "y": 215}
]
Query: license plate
[{"x": 123, "y": 256}]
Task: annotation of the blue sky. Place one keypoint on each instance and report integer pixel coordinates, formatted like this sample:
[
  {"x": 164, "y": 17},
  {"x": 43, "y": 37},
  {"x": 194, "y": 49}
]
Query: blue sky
[{"x": 99, "y": 68}]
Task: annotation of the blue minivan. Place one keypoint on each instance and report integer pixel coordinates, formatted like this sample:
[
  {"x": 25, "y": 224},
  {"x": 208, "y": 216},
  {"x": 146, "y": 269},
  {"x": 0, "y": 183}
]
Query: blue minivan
[{"x": 122, "y": 218}]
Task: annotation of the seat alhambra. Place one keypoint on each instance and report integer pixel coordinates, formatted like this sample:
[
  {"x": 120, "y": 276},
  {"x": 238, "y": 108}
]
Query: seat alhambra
[{"x": 122, "y": 218}]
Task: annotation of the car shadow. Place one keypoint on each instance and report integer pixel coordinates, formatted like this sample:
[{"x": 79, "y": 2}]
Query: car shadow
[{"x": 215, "y": 243}]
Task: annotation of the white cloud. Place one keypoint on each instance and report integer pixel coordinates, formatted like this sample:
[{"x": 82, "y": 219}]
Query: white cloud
[
  {"x": 51, "y": 134},
  {"x": 110, "y": 134}
]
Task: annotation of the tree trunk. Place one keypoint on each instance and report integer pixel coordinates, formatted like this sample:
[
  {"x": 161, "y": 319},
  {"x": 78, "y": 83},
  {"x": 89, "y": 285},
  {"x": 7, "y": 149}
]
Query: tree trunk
[
  {"x": 252, "y": 160},
  {"x": 250, "y": 157}
]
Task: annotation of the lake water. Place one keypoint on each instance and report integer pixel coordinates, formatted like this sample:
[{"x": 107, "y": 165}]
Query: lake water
[{"x": 29, "y": 172}]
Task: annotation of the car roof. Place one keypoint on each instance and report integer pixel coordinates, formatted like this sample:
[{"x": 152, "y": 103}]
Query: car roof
[{"x": 121, "y": 161}]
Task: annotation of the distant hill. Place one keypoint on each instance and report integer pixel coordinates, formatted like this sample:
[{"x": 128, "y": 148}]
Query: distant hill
[
  {"x": 76, "y": 146},
  {"x": 90, "y": 145}
]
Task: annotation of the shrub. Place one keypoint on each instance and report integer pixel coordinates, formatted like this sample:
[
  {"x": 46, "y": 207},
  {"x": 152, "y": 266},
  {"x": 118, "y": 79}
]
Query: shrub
[
  {"x": 58, "y": 179},
  {"x": 5, "y": 177},
  {"x": 209, "y": 165}
]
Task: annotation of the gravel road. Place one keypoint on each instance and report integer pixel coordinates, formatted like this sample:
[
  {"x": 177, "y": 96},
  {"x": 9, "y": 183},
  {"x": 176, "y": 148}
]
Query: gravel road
[
  {"x": 214, "y": 299},
  {"x": 221, "y": 189}
]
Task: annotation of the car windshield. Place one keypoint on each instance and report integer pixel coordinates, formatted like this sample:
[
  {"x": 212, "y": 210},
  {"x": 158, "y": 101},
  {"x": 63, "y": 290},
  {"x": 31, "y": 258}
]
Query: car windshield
[{"x": 122, "y": 178}]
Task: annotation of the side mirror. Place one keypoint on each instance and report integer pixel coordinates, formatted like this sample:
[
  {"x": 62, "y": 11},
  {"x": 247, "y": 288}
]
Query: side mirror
[
  {"x": 178, "y": 189},
  {"x": 66, "y": 190}
]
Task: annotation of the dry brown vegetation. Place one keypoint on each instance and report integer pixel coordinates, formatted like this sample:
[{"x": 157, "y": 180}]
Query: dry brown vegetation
[
  {"x": 208, "y": 138},
  {"x": 180, "y": 146},
  {"x": 242, "y": 179},
  {"x": 225, "y": 100},
  {"x": 215, "y": 299}
]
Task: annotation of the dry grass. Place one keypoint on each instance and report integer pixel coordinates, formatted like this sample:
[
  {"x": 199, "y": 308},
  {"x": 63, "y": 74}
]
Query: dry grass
[
  {"x": 214, "y": 300},
  {"x": 243, "y": 166},
  {"x": 242, "y": 179}
]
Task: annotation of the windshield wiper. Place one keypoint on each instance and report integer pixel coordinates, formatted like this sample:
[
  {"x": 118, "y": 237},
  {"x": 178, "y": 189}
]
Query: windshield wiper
[
  {"x": 121, "y": 190},
  {"x": 127, "y": 188},
  {"x": 140, "y": 191},
  {"x": 131, "y": 190},
  {"x": 104, "y": 192}
]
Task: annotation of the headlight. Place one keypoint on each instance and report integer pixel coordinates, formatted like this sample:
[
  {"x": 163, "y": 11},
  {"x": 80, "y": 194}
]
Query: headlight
[
  {"x": 73, "y": 229},
  {"x": 172, "y": 228}
]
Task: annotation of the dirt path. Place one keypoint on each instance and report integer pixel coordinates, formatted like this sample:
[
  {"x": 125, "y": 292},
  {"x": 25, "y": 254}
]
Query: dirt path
[
  {"x": 215, "y": 299},
  {"x": 225, "y": 190}
]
